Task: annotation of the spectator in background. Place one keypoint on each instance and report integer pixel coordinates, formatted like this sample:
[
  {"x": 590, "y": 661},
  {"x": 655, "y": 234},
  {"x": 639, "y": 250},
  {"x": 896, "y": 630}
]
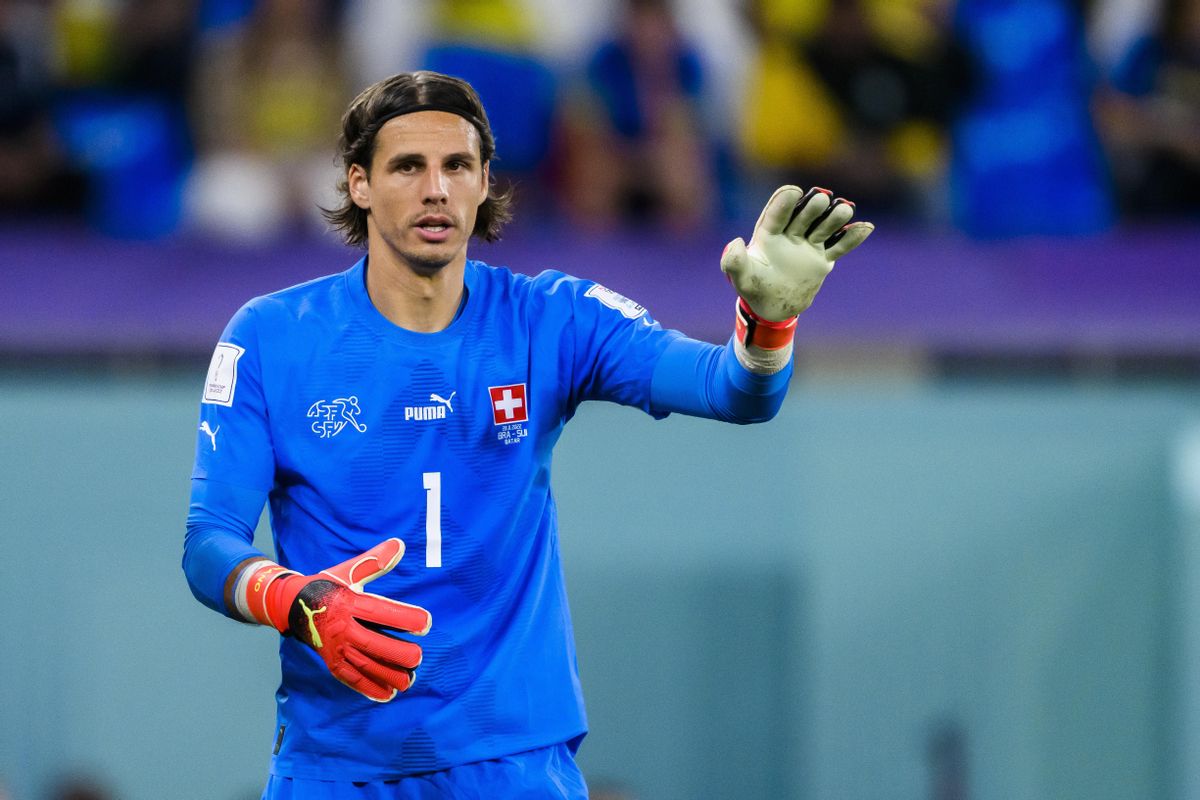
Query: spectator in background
[
  {"x": 91, "y": 110},
  {"x": 637, "y": 147},
  {"x": 1149, "y": 115},
  {"x": 268, "y": 97},
  {"x": 156, "y": 52},
  {"x": 123, "y": 69},
  {"x": 789, "y": 125},
  {"x": 861, "y": 97},
  {"x": 1027, "y": 158},
  {"x": 491, "y": 45},
  {"x": 899, "y": 78},
  {"x": 36, "y": 175}
]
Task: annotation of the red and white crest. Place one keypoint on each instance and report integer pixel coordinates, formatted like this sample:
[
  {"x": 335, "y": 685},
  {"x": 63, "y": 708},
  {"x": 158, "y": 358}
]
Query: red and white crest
[{"x": 509, "y": 404}]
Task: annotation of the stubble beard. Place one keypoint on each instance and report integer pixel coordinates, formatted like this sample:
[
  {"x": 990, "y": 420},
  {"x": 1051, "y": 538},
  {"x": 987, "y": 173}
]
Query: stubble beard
[
  {"x": 423, "y": 262},
  {"x": 426, "y": 265}
]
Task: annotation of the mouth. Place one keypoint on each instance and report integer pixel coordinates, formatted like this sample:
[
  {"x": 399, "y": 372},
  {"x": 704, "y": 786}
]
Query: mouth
[{"x": 434, "y": 228}]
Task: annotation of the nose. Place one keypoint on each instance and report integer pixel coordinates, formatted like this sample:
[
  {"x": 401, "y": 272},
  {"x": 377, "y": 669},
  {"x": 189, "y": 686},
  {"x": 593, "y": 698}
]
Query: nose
[{"x": 435, "y": 186}]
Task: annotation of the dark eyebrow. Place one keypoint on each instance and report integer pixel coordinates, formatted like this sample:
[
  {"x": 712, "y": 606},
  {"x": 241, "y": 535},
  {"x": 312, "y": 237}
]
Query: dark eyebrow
[{"x": 417, "y": 158}]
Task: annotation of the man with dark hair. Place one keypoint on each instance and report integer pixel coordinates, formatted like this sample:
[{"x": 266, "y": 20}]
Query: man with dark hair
[
  {"x": 408, "y": 93},
  {"x": 418, "y": 396}
]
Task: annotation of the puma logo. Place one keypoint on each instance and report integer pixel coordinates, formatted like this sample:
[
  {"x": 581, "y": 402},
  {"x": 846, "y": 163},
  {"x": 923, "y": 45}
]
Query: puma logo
[
  {"x": 437, "y": 398},
  {"x": 211, "y": 433},
  {"x": 312, "y": 626},
  {"x": 439, "y": 411}
]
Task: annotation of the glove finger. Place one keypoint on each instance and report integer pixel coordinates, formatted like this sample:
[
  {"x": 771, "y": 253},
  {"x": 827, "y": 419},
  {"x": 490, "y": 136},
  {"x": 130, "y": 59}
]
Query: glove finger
[
  {"x": 382, "y": 647},
  {"x": 368, "y": 687},
  {"x": 848, "y": 238},
  {"x": 389, "y": 613},
  {"x": 829, "y": 223},
  {"x": 811, "y": 206},
  {"x": 382, "y": 674},
  {"x": 733, "y": 259},
  {"x": 778, "y": 210},
  {"x": 379, "y": 560}
]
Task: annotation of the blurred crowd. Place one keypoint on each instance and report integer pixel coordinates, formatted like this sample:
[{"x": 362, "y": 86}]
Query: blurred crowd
[{"x": 146, "y": 118}]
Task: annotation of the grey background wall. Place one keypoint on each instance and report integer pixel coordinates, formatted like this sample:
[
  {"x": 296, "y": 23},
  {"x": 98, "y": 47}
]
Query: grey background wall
[{"x": 797, "y": 609}]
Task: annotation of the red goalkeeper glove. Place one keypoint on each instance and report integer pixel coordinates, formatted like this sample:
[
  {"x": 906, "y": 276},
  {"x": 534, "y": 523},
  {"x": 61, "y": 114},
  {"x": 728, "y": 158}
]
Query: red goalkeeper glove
[{"x": 347, "y": 627}]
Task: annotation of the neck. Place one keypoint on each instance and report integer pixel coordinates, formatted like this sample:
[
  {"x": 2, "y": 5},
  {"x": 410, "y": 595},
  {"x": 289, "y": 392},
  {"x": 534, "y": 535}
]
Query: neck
[{"x": 411, "y": 299}]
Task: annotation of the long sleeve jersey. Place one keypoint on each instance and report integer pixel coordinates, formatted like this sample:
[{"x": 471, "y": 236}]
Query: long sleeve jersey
[{"x": 355, "y": 430}]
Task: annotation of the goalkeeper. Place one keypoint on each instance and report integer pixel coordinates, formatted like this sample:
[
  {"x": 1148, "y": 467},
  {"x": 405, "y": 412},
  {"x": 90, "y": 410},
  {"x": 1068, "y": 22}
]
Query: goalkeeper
[{"x": 399, "y": 417}]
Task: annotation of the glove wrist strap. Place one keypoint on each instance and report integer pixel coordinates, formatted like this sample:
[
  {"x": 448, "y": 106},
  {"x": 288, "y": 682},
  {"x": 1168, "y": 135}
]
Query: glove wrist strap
[
  {"x": 762, "y": 346},
  {"x": 258, "y": 594},
  {"x": 753, "y": 330}
]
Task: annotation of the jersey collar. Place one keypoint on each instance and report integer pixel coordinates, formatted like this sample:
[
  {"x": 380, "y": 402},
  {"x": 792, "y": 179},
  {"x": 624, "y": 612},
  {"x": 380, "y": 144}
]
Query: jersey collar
[{"x": 356, "y": 286}]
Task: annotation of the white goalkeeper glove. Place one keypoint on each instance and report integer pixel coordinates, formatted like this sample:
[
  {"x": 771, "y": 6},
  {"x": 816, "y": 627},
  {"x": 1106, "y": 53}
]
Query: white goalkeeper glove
[{"x": 796, "y": 241}]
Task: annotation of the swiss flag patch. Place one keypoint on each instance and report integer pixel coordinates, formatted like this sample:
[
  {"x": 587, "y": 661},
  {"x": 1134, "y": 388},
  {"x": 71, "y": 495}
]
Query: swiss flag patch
[{"x": 509, "y": 404}]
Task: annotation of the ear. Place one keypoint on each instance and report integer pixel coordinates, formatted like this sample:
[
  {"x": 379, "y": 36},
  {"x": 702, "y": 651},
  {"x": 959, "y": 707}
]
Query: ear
[
  {"x": 358, "y": 184},
  {"x": 486, "y": 181}
]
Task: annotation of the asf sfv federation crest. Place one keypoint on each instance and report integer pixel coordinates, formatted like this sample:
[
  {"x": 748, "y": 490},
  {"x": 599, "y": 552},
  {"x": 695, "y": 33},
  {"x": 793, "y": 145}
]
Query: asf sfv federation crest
[{"x": 330, "y": 417}]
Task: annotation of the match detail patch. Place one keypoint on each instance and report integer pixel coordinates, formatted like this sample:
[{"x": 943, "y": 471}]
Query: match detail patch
[
  {"x": 222, "y": 374},
  {"x": 616, "y": 302}
]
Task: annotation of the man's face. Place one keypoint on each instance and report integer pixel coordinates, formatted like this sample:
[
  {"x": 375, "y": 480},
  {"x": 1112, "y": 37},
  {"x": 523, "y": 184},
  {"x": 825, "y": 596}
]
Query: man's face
[{"x": 424, "y": 189}]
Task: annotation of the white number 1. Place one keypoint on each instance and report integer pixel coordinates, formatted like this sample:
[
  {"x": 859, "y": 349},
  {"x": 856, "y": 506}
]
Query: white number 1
[{"x": 433, "y": 518}]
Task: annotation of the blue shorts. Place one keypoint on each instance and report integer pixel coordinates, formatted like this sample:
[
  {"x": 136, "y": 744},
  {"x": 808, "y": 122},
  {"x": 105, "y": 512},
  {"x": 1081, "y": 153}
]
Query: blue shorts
[{"x": 547, "y": 773}]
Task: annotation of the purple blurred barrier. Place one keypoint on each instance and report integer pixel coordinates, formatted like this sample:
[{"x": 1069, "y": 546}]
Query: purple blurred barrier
[{"x": 1128, "y": 292}]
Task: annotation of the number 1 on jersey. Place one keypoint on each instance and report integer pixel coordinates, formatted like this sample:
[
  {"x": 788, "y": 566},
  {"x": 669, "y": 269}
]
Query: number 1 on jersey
[{"x": 433, "y": 518}]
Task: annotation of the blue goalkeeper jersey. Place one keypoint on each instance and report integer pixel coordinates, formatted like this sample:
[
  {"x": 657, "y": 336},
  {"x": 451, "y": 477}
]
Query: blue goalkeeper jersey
[{"x": 356, "y": 430}]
